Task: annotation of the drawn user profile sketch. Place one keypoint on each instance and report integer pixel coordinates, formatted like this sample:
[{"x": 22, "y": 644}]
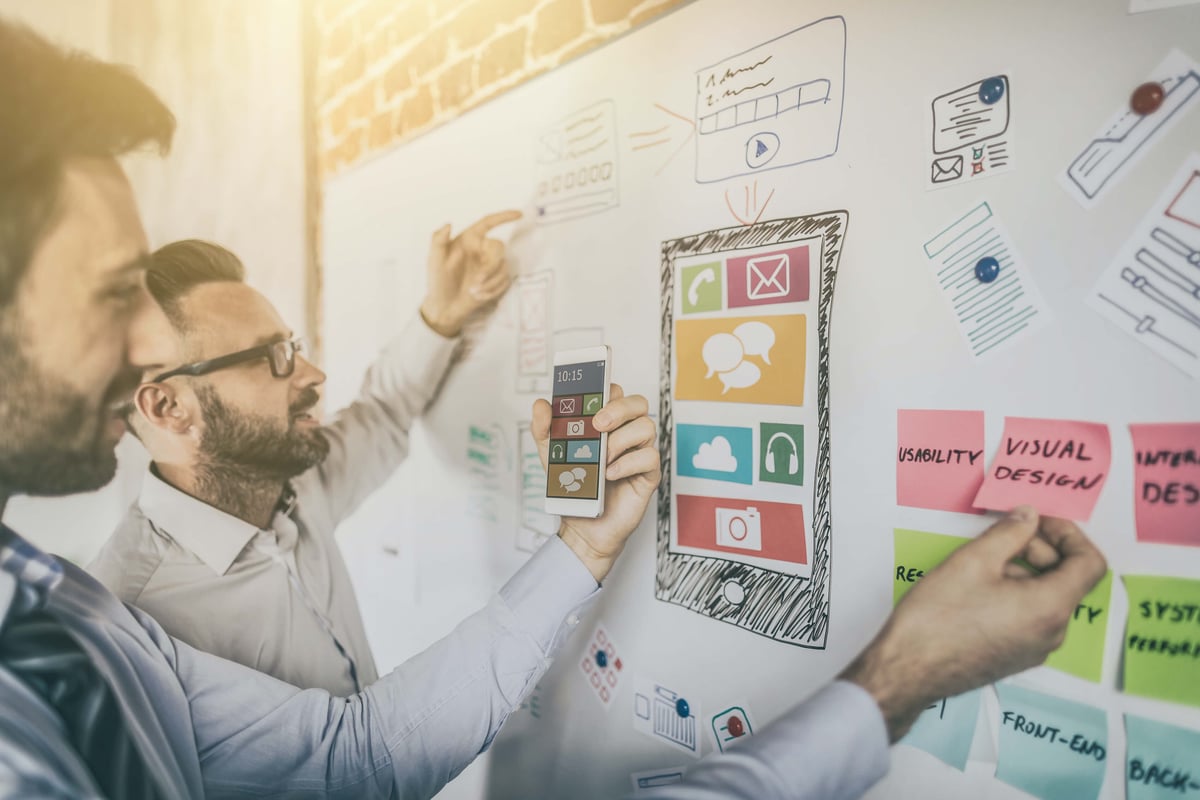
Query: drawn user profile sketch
[
  {"x": 744, "y": 515},
  {"x": 775, "y": 105},
  {"x": 577, "y": 165}
]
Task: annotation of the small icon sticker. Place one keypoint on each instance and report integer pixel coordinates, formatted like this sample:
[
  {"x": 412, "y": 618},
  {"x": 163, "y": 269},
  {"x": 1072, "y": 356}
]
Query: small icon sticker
[{"x": 730, "y": 725}]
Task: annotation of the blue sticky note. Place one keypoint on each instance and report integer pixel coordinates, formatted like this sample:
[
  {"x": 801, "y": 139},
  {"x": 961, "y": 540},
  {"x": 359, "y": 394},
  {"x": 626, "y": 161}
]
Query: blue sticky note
[
  {"x": 1161, "y": 761},
  {"x": 1052, "y": 748},
  {"x": 716, "y": 452},
  {"x": 946, "y": 728}
]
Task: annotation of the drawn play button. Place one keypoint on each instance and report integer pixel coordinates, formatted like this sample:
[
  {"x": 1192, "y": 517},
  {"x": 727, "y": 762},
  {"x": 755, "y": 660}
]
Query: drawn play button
[{"x": 761, "y": 148}]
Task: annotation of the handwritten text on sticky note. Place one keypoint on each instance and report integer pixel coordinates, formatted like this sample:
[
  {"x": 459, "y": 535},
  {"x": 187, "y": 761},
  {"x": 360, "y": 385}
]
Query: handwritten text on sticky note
[
  {"x": 1166, "y": 483},
  {"x": 939, "y": 459},
  {"x": 1162, "y": 638},
  {"x": 1160, "y": 760},
  {"x": 1057, "y": 466},
  {"x": 1050, "y": 747}
]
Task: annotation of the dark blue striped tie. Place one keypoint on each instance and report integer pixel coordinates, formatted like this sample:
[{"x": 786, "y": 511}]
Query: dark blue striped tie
[{"x": 37, "y": 649}]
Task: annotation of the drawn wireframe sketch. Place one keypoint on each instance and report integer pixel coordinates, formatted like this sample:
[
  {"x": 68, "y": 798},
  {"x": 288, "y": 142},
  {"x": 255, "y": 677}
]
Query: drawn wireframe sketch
[
  {"x": 666, "y": 715},
  {"x": 535, "y": 525},
  {"x": 775, "y": 105},
  {"x": 1129, "y": 135},
  {"x": 1152, "y": 289},
  {"x": 993, "y": 309},
  {"x": 753, "y": 552},
  {"x": 577, "y": 171},
  {"x": 534, "y": 298},
  {"x": 648, "y": 779},
  {"x": 970, "y": 133}
]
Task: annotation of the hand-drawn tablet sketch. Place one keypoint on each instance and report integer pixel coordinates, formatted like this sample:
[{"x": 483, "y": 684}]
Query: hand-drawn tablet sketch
[{"x": 744, "y": 512}]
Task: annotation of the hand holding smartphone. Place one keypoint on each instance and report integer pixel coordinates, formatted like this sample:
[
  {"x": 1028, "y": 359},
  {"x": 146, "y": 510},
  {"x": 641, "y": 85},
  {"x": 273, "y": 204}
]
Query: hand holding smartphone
[{"x": 577, "y": 451}]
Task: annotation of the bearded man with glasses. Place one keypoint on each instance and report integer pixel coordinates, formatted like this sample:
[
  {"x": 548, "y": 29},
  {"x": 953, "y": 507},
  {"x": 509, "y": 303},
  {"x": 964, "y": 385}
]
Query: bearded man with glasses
[{"x": 230, "y": 545}]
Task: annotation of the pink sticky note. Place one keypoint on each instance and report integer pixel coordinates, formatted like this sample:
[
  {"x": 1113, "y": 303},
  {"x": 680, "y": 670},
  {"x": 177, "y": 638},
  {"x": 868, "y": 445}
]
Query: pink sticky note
[
  {"x": 1057, "y": 466},
  {"x": 1166, "y": 478},
  {"x": 939, "y": 459}
]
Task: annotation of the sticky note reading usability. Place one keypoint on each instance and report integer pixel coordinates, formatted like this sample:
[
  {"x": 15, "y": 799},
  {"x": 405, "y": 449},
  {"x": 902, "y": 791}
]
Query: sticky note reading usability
[
  {"x": 1161, "y": 760},
  {"x": 1082, "y": 652},
  {"x": 939, "y": 459},
  {"x": 1057, "y": 466},
  {"x": 1162, "y": 638},
  {"x": 917, "y": 552},
  {"x": 1166, "y": 482},
  {"x": 1050, "y": 747}
]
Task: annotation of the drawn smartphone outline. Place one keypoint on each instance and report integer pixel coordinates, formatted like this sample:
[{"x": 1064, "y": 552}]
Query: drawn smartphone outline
[{"x": 580, "y": 358}]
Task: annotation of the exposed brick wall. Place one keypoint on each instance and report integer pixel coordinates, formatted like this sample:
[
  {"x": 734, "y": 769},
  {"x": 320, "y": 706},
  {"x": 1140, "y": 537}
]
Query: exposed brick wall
[{"x": 388, "y": 70}]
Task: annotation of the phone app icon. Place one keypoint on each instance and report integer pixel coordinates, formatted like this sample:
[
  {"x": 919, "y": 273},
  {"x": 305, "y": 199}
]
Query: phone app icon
[
  {"x": 701, "y": 288},
  {"x": 592, "y": 403}
]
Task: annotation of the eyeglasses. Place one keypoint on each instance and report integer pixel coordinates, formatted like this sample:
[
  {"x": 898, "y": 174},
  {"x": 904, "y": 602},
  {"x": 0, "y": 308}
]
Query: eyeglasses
[{"x": 280, "y": 355}]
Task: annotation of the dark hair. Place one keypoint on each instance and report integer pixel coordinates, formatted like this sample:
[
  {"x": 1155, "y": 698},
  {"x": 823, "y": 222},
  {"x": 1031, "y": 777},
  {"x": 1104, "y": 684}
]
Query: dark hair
[
  {"x": 177, "y": 268},
  {"x": 57, "y": 104}
]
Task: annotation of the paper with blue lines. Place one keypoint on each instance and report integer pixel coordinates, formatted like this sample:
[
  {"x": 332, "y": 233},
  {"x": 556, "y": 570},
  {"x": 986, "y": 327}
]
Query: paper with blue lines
[{"x": 983, "y": 278}]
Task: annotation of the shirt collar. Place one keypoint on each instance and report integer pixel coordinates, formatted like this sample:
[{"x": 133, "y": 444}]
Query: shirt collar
[
  {"x": 33, "y": 572},
  {"x": 213, "y": 536}
]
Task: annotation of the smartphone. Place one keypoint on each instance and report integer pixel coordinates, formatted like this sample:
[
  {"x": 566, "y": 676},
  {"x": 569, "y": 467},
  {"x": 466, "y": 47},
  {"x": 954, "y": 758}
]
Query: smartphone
[{"x": 578, "y": 453}]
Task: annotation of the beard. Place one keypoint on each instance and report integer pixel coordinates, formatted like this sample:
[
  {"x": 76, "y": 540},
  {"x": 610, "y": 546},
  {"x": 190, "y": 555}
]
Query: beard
[
  {"x": 239, "y": 443},
  {"x": 53, "y": 440}
]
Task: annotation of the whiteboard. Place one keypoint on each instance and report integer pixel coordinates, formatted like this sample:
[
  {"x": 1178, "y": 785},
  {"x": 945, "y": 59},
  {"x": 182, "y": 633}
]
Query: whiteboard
[{"x": 461, "y": 515}]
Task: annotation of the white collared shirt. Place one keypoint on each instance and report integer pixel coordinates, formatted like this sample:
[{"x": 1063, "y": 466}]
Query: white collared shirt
[{"x": 279, "y": 600}]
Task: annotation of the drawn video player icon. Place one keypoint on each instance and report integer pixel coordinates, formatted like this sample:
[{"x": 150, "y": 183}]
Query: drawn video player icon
[
  {"x": 738, "y": 527},
  {"x": 761, "y": 149}
]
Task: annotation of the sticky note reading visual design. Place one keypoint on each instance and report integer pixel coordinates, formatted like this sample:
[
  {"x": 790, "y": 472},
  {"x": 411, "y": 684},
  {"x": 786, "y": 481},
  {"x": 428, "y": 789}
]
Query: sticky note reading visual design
[
  {"x": 1166, "y": 481},
  {"x": 939, "y": 459},
  {"x": 945, "y": 729},
  {"x": 1050, "y": 747},
  {"x": 1057, "y": 466},
  {"x": 917, "y": 552},
  {"x": 1082, "y": 652},
  {"x": 1161, "y": 760},
  {"x": 1162, "y": 638}
]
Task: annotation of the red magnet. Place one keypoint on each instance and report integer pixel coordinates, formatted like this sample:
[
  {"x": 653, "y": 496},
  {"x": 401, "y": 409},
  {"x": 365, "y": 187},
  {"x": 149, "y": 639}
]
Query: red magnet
[
  {"x": 735, "y": 726},
  {"x": 1147, "y": 98}
]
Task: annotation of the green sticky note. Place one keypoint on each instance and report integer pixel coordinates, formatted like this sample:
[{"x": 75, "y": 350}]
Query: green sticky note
[
  {"x": 1082, "y": 652},
  {"x": 917, "y": 552},
  {"x": 1162, "y": 638},
  {"x": 1160, "y": 760}
]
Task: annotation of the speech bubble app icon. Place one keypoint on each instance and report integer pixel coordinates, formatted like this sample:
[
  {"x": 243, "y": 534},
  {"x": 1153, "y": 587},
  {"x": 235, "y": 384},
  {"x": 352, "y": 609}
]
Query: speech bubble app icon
[
  {"x": 743, "y": 376},
  {"x": 757, "y": 339},
  {"x": 580, "y": 473},
  {"x": 722, "y": 352},
  {"x": 565, "y": 478}
]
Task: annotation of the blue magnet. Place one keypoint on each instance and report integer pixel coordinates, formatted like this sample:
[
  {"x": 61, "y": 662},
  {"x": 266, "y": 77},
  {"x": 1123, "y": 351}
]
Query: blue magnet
[
  {"x": 682, "y": 708},
  {"x": 601, "y": 659},
  {"x": 991, "y": 90},
  {"x": 986, "y": 269}
]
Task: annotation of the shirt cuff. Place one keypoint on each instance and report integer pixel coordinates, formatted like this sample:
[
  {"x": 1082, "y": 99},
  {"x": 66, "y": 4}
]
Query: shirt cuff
[
  {"x": 550, "y": 593},
  {"x": 427, "y": 353}
]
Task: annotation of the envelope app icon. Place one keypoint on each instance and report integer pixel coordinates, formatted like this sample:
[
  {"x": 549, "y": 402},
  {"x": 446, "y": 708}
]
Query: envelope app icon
[
  {"x": 768, "y": 276},
  {"x": 947, "y": 168},
  {"x": 566, "y": 405}
]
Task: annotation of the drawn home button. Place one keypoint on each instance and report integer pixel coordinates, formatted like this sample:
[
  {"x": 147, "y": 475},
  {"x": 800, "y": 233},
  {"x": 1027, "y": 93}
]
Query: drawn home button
[
  {"x": 761, "y": 148},
  {"x": 733, "y": 592}
]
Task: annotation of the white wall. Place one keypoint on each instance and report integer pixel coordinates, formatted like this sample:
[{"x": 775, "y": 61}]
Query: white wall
[{"x": 232, "y": 73}]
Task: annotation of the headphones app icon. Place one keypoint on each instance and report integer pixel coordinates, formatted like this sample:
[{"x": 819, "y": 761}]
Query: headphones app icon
[{"x": 793, "y": 458}]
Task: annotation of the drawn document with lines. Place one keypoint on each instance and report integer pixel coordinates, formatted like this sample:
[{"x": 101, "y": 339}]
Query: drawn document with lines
[
  {"x": 1152, "y": 290},
  {"x": 1002, "y": 306}
]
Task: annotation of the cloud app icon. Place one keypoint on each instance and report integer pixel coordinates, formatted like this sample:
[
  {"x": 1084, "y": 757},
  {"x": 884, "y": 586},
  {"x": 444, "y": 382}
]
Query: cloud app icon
[{"x": 716, "y": 455}]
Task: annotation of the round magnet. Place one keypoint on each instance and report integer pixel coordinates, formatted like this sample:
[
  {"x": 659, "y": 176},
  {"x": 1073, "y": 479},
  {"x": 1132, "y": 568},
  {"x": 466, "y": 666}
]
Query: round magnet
[
  {"x": 986, "y": 269},
  {"x": 991, "y": 90},
  {"x": 682, "y": 708},
  {"x": 601, "y": 659},
  {"x": 735, "y": 726},
  {"x": 1147, "y": 98}
]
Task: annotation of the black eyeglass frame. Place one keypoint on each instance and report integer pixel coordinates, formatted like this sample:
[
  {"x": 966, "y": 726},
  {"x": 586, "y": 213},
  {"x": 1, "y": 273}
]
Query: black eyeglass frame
[{"x": 285, "y": 350}]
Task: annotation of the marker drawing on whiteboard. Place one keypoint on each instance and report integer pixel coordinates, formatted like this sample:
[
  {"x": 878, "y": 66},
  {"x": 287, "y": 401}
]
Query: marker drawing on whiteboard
[
  {"x": 576, "y": 166},
  {"x": 970, "y": 134},
  {"x": 676, "y": 127}
]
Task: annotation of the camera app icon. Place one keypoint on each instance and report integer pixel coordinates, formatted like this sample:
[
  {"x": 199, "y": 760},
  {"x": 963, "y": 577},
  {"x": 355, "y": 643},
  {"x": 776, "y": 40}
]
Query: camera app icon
[
  {"x": 739, "y": 527},
  {"x": 575, "y": 428}
]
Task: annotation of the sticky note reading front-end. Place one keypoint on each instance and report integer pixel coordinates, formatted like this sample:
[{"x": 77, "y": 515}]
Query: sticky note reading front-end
[
  {"x": 1057, "y": 466},
  {"x": 939, "y": 459},
  {"x": 1166, "y": 483},
  {"x": 1162, "y": 638},
  {"x": 1050, "y": 747}
]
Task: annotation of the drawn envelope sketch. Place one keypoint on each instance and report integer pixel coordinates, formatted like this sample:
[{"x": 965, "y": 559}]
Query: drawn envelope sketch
[
  {"x": 970, "y": 133},
  {"x": 1152, "y": 289},
  {"x": 774, "y": 105},
  {"x": 577, "y": 165},
  {"x": 768, "y": 277},
  {"x": 1129, "y": 135}
]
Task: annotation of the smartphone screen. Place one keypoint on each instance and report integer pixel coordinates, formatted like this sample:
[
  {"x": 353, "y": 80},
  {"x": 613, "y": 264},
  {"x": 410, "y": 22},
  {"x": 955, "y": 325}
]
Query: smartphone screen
[{"x": 576, "y": 448}]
